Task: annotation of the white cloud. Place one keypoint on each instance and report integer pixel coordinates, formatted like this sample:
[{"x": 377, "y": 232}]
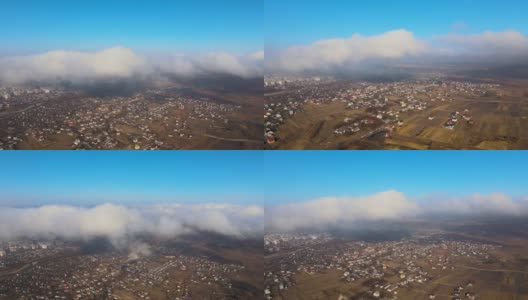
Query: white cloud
[
  {"x": 328, "y": 54},
  {"x": 505, "y": 43},
  {"x": 346, "y": 212},
  {"x": 137, "y": 250},
  {"x": 123, "y": 62},
  {"x": 477, "y": 204},
  {"x": 357, "y": 53},
  {"x": 118, "y": 61},
  {"x": 205, "y": 63},
  {"x": 343, "y": 211},
  {"x": 257, "y": 55},
  {"x": 118, "y": 222}
]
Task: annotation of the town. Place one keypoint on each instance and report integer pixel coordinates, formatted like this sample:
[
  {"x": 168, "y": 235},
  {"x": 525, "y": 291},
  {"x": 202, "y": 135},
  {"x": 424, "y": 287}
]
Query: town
[
  {"x": 424, "y": 266},
  {"x": 434, "y": 111},
  {"x": 62, "y": 270},
  {"x": 169, "y": 118}
]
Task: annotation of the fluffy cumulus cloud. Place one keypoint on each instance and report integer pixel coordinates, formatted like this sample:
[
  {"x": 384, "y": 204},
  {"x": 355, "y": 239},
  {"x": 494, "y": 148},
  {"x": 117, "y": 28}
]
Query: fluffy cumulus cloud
[
  {"x": 123, "y": 62},
  {"x": 335, "y": 53},
  {"x": 344, "y": 212},
  {"x": 356, "y": 52},
  {"x": 119, "y": 62},
  {"x": 335, "y": 212},
  {"x": 119, "y": 223}
]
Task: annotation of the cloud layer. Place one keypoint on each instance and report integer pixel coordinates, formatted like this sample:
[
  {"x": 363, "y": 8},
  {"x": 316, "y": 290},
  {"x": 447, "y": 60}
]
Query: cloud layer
[
  {"x": 357, "y": 52},
  {"x": 335, "y": 212},
  {"x": 342, "y": 212},
  {"x": 119, "y": 223},
  {"x": 123, "y": 62},
  {"x": 111, "y": 62},
  {"x": 506, "y": 43},
  {"x": 477, "y": 205},
  {"x": 191, "y": 65},
  {"x": 334, "y": 53}
]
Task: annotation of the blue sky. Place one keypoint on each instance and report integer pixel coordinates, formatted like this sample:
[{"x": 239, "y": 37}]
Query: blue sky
[
  {"x": 28, "y": 26},
  {"x": 293, "y": 176},
  {"x": 295, "y": 22},
  {"x": 91, "y": 177},
  {"x": 84, "y": 178}
]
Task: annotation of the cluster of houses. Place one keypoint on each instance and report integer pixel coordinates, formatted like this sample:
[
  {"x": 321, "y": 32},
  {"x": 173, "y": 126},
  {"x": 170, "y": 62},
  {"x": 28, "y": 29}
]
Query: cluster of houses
[
  {"x": 15, "y": 253},
  {"x": 109, "y": 122},
  {"x": 11, "y": 96},
  {"x": 108, "y": 275},
  {"x": 274, "y": 116},
  {"x": 275, "y": 242},
  {"x": 385, "y": 266},
  {"x": 386, "y": 102},
  {"x": 284, "y": 82},
  {"x": 455, "y": 116}
]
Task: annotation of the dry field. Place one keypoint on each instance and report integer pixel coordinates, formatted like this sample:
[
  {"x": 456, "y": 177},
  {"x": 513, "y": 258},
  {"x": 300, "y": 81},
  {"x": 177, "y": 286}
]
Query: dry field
[{"x": 500, "y": 122}]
